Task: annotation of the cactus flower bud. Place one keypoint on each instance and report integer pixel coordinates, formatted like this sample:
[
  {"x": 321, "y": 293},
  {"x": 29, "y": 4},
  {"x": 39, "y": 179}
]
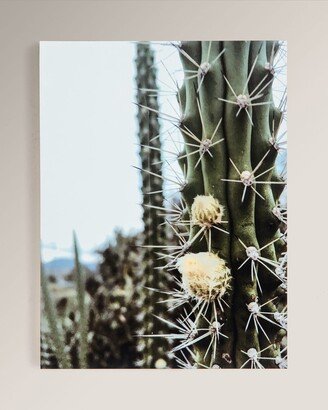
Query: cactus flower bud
[
  {"x": 204, "y": 275},
  {"x": 206, "y": 210}
]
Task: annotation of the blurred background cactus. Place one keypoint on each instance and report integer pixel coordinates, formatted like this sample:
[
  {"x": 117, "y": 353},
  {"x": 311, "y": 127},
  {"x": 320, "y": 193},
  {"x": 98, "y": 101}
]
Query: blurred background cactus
[{"x": 154, "y": 351}]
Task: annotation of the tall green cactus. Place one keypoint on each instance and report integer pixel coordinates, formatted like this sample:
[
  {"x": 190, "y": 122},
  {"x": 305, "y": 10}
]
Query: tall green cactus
[
  {"x": 154, "y": 350},
  {"x": 233, "y": 265}
]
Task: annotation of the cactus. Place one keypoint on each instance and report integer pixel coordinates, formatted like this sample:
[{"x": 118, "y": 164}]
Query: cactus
[
  {"x": 233, "y": 265},
  {"x": 155, "y": 352},
  {"x": 52, "y": 342}
]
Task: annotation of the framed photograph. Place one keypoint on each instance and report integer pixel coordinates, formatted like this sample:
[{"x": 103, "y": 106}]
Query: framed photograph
[
  {"x": 163, "y": 203},
  {"x": 145, "y": 203}
]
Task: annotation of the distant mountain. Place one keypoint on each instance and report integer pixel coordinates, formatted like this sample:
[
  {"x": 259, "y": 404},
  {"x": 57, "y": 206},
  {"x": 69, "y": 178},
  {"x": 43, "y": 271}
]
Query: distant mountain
[{"x": 59, "y": 267}]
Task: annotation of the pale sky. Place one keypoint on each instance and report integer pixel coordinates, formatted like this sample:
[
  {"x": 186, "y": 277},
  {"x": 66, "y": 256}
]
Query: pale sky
[{"x": 88, "y": 141}]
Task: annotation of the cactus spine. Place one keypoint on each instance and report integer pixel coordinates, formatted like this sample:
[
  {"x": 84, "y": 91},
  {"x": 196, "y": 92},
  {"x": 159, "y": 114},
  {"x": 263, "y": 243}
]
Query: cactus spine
[{"x": 230, "y": 129}]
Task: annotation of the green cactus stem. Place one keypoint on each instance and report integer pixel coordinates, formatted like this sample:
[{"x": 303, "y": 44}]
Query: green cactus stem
[{"x": 228, "y": 114}]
